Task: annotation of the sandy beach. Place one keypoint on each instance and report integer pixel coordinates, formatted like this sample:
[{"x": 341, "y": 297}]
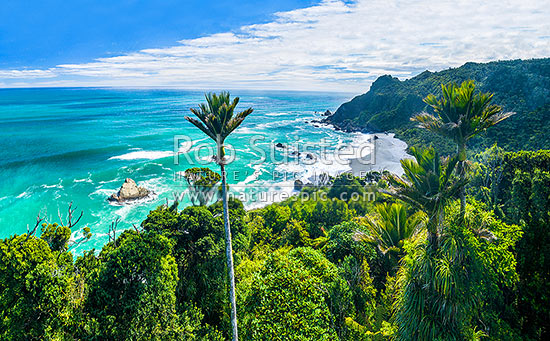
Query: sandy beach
[{"x": 389, "y": 151}]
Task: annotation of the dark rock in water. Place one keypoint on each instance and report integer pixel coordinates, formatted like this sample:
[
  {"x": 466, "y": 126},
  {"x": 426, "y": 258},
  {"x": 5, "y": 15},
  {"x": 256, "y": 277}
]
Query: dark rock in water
[
  {"x": 280, "y": 145},
  {"x": 376, "y": 137},
  {"x": 327, "y": 113},
  {"x": 309, "y": 156},
  {"x": 295, "y": 153},
  {"x": 298, "y": 185},
  {"x": 129, "y": 191}
]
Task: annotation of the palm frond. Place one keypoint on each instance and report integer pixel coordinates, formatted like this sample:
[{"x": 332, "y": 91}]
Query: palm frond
[
  {"x": 389, "y": 226},
  {"x": 201, "y": 126},
  {"x": 427, "y": 184},
  {"x": 217, "y": 116},
  {"x": 460, "y": 112}
]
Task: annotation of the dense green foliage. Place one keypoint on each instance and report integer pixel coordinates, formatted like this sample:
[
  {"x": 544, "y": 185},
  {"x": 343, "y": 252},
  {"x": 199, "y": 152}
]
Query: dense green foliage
[
  {"x": 427, "y": 186},
  {"x": 142, "y": 273},
  {"x": 517, "y": 187},
  {"x": 301, "y": 274},
  {"x": 389, "y": 227},
  {"x": 444, "y": 293},
  {"x": 34, "y": 290},
  {"x": 521, "y": 86},
  {"x": 459, "y": 115}
]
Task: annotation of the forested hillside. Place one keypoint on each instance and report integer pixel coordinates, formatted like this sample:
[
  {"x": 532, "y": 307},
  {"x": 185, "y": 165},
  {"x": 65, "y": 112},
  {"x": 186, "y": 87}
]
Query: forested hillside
[{"x": 522, "y": 86}]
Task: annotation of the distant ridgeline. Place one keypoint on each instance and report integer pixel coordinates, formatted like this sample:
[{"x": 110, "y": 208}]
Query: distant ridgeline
[{"x": 522, "y": 86}]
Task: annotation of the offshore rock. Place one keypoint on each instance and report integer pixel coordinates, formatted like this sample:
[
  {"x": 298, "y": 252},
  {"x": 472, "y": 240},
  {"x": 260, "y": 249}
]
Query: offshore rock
[{"x": 129, "y": 191}]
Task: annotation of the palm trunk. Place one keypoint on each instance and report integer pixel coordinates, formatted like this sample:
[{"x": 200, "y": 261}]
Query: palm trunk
[
  {"x": 433, "y": 238},
  {"x": 435, "y": 219},
  {"x": 229, "y": 255},
  {"x": 462, "y": 175},
  {"x": 462, "y": 195}
]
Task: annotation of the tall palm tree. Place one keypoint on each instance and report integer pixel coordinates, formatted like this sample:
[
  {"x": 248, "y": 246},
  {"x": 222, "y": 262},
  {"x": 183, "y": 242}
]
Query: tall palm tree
[
  {"x": 389, "y": 227},
  {"x": 427, "y": 185},
  {"x": 461, "y": 114},
  {"x": 436, "y": 295},
  {"x": 217, "y": 119}
]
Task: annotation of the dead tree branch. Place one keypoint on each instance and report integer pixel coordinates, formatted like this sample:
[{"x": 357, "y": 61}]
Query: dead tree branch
[
  {"x": 112, "y": 230},
  {"x": 38, "y": 221}
]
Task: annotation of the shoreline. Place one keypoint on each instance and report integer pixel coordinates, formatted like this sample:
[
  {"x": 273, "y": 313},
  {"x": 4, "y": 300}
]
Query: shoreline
[{"x": 389, "y": 151}]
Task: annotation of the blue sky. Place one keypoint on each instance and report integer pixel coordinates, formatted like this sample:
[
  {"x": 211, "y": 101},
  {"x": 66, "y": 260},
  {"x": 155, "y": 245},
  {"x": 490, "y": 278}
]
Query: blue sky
[
  {"x": 329, "y": 45},
  {"x": 43, "y": 33}
]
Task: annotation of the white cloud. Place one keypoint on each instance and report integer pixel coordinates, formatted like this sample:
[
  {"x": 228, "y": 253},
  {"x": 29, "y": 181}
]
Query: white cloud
[
  {"x": 17, "y": 74},
  {"x": 332, "y": 46}
]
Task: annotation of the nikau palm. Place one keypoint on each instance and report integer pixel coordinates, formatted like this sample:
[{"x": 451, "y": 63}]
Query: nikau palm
[
  {"x": 427, "y": 186},
  {"x": 217, "y": 119},
  {"x": 461, "y": 114},
  {"x": 389, "y": 227}
]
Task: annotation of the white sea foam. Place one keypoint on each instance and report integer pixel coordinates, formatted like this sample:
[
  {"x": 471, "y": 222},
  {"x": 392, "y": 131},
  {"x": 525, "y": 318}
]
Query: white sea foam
[
  {"x": 158, "y": 185},
  {"x": 187, "y": 146},
  {"x": 23, "y": 195},
  {"x": 361, "y": 146},
  {"x": 251, "y": 177},
  {"x": 244, "y": 130},
  {"x": 108, "y": 181},
  {"x": 276, "y": 114},
  {"x": 123, "y": 211},
  {"x": 135, "y": 202},
  {"x": 103, "y": 192},
  {"x": 58, "y": 185},
  {"x": 143, "y": 155},
  {"x": 278, "y": 124},
  {"x": 322, "y": 125}
]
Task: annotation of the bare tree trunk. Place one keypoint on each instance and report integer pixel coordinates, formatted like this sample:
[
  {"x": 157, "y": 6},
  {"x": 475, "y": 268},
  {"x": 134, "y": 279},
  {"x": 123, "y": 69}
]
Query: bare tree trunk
[{"x": 229, "y": 255}]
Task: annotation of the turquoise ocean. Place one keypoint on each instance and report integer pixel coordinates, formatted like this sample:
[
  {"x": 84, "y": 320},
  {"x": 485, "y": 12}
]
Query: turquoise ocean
[{"x": 78, "y": 145}]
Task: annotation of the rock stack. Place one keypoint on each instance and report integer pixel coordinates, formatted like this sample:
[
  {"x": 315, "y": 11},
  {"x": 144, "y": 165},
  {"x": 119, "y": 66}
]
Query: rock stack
[{"x": 129, "y": 191}]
